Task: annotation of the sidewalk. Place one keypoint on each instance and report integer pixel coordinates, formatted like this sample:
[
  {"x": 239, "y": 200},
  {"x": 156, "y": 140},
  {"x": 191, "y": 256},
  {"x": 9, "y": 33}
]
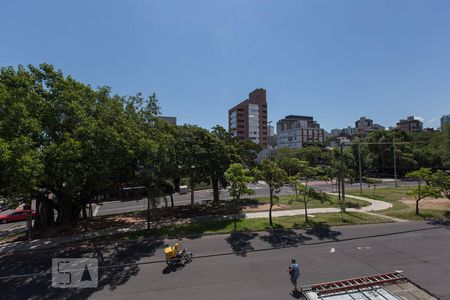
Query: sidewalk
[{"x": 39, "y": 244}]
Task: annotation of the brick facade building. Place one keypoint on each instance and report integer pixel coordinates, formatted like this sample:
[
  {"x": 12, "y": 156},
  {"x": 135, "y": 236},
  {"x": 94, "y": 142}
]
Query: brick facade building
[{"x": 248, "y": 119}]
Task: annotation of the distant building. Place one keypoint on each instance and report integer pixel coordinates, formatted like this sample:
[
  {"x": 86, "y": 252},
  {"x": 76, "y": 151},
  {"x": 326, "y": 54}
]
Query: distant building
[
  {"x": 363, "y": 126},
  {"x": 428, "y": 129},
  {"x": 336, "y": 132},
  {"x": 348, "y": 131},
  {"x": 171, "y": 120},
  {"x": 297, "y": 131},
  {"x": 248, "y": 119},
  {"x": 444, "y": 121},
  {"x": 272, "y": 138},
  {"x": 410, "y": 125}
]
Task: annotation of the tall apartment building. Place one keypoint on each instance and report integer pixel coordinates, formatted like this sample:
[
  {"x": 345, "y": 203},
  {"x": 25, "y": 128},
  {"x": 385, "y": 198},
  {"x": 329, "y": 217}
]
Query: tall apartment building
[
  {"x": 248, "y": 119},
  {"x": 363, "y": 126},
  {"x": 410, "y": 125},
  {"x": 297, "y": 131},
  {"x": 444, "y": 121}
]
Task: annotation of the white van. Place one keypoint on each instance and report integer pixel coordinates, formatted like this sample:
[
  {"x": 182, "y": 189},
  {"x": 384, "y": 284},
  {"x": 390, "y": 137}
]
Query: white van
[{"x": 183, "y": 189}]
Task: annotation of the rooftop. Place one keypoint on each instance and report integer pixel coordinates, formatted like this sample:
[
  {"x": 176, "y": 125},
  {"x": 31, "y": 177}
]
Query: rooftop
[{"x": 391, "y": 286}]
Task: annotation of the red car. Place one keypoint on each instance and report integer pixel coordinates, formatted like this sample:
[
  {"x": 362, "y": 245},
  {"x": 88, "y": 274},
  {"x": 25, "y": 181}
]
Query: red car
[{"x": 17, "y": 215}]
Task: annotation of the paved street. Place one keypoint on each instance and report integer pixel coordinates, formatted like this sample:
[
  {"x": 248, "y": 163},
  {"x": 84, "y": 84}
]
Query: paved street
[
  {"x": 243, "y": 265},
  {"x": 260, "y": 189}
]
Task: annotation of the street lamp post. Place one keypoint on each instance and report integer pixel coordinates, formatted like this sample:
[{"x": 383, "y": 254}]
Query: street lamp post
[
  {"x": 360, "y": 168},
  {"x": 395, "y": 163},
  {"x": 192, "y": 184},
  {"x": 269, "y": 142}
]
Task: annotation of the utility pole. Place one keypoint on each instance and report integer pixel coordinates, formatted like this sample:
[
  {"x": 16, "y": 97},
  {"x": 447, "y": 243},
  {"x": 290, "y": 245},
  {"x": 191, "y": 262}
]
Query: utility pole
[
  {"x": 360, "y": 171},
  {"x": 395, "y": 163},
  {"x": 342, "y": 179}
]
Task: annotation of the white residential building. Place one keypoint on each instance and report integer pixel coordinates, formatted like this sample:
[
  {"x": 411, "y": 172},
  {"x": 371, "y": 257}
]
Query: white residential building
[{"x": 297, "y": 131}]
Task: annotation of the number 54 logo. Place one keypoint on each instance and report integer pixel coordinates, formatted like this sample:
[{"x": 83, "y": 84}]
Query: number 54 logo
[{"x": 74, "y": 272}]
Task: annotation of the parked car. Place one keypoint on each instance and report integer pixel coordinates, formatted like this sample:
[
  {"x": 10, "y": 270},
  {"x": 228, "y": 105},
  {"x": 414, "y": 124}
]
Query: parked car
[
  {"x": 17, "y": 215},
  {"x": 183, "y": 189}
]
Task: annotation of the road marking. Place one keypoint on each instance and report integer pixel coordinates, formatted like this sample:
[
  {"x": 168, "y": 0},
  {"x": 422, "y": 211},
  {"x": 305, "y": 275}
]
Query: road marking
[
  {"x": 364, "y": 248},
  {"x": 399, "y": 271},
  {"x": 332, "y": 250}
]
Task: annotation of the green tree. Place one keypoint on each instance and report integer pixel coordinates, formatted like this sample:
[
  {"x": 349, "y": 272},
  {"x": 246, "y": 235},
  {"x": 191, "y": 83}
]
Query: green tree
[
  {"x": 373, "y": 182},
  {"x": 423, "y": 191},
  {"x": 239, "y": 179},
  {"x": 441, "y": 181},
  {"x": 275, "y": 178},
  {"x": 192, "y": 155}
]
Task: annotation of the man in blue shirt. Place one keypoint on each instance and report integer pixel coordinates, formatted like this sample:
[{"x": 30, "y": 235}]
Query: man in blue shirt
[{"x": 294, "y": 271}]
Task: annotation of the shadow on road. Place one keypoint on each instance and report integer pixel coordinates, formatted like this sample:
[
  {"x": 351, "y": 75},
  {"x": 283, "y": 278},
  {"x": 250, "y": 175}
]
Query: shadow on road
[
  {"x": 322, "y": 231},
  {"x": 172, "y": 269},
  {"x": 280, "y": 237},
  {"x": 240, "y": 242},
  {"x": 441, "y": 222},
  {"x": 116, "y": 262}
]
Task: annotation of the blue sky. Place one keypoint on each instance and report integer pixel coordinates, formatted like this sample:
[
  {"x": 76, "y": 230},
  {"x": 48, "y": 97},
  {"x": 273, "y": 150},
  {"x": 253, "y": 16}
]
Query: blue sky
[{"x": 335, "y": 60}]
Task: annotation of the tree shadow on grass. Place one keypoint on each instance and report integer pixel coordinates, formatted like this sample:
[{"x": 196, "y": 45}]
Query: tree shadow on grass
[
  {"x": 281, "y": 237},
  {"x": 240, "y": 242},
  {"x": 322, "y": 231},
  {"x": 116, "y": 261}
]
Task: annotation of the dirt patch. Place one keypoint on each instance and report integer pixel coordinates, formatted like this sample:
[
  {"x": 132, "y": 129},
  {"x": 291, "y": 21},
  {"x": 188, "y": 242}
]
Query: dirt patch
[
  {"x": 428, "y": 203},
  {"x": 263, "y": 207}
]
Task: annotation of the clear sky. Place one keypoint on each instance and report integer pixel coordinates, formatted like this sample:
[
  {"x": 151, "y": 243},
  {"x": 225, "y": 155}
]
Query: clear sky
[{"x": 335, "y": 60}]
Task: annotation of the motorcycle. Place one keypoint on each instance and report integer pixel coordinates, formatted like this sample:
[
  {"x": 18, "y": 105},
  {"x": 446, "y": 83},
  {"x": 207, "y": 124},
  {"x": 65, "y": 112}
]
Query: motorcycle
[{"x": 176, "y": 255}]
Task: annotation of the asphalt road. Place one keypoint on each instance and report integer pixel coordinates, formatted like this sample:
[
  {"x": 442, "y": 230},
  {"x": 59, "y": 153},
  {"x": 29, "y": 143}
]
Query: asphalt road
[
  {"x": 243, "y": 266},
  {"x": 260, "y": 189}
]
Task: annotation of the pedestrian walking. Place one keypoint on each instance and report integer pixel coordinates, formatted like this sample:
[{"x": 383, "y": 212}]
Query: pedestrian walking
[{"x": 294, "y": 272}]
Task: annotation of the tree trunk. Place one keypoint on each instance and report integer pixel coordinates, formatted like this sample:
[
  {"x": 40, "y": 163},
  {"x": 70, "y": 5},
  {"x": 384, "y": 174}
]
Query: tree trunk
[
  {"x": 215, "y": 186},
  {"x": 192, "y": 195},
  {"x": 84, "y": 212},
  {"x": 270, "y": 208},
  {"x": 419, "y": 197},
  {"x": 234, "y": 213},
  {"x": 91, "y": 215},
  {"x": 148, "y": 209},
  {"x": 38, "y": 220},
  {"x": 306, "y": 212},
  {"x": 171, "y": 200},
  {"x": 338, "y": 182},
  {"x": 192, "y": 186}
]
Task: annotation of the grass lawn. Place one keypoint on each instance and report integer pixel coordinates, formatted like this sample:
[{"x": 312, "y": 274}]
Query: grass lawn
[
  {"x": 210, "y": 227},
  {"x": 403, "y": 209},
  {"x": 288, "y": 202}
]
